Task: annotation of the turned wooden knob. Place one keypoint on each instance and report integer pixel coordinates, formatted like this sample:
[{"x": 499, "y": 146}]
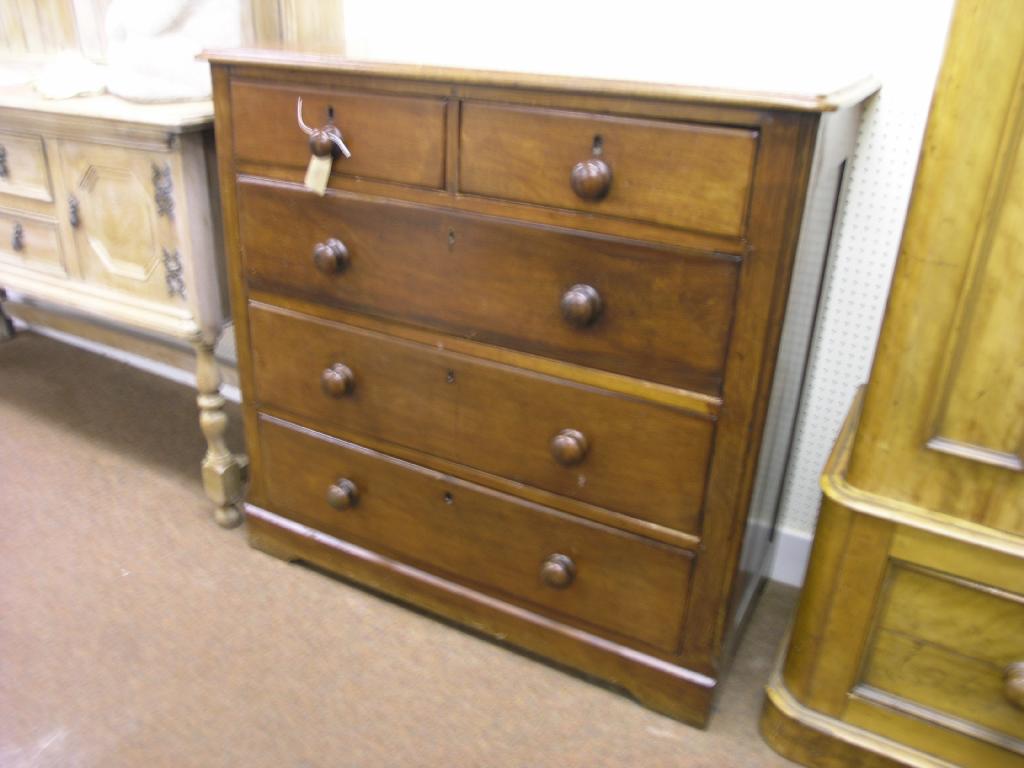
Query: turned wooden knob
[
  {"x": 581, "y": 305},
  {"x": 342, "y": 494},
  {"x": 1013, "y": 684},
  {"x": 591, "y": 179},
  {"x": 569, "y": 447},
  {"x": 330, "y": 256},
  {"x": 321, "y": 145},
  {"x": 558, "y": 571},
  {"x": 337, "y": 380}
]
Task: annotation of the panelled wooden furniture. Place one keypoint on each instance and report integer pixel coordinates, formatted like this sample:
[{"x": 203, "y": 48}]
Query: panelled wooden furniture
[
  {"x": 515, "y": 365},
  {"x": 106, "y": 210},
  {"x": 908, "y": 645}
]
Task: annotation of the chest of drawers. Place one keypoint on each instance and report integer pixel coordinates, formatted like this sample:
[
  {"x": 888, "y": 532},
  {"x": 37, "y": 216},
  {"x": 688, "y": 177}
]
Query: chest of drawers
[{"x": 516, "y": 365}]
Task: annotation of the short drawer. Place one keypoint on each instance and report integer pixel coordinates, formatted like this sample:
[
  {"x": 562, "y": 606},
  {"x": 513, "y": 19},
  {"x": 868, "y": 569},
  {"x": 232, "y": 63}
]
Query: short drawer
[
  {"x": 654, "y": 313},
  {"x": 623, "y": 454},
  {"x": 951, "y": 646},
  {"x": 31, "y": 242},
  {"x": 391, "y": 138},
  {"x": 23, "y": 168},
  {"x": 683, "y": 175},
  {"x": 529, "y": 554}
]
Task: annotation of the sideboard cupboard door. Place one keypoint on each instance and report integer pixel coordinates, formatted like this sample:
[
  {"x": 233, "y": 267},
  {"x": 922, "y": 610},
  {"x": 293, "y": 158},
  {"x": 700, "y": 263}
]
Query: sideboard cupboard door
[{"x": 120, "y": 210}]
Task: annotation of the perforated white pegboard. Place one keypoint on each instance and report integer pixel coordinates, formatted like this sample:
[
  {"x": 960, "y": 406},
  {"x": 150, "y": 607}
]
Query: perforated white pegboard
[{"x": 907, "y": 50}]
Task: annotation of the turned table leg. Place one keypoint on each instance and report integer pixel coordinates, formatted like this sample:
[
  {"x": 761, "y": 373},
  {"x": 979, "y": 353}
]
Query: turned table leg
[
  {"x": 223, "y": 471},
  {"x": 6, "y": 324}
]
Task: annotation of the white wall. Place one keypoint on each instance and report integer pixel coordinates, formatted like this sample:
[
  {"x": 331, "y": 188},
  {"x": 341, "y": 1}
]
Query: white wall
[{"x": 783, "y": 45}]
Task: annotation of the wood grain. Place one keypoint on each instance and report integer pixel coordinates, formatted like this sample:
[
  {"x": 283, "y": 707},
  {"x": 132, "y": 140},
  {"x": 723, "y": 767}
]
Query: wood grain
[
  {"x": 38, "y": 246},
  {"x": 497, "y": 418},
  {"x": 467, "y": 533},
  {"x": 477, "y": 328},
  {"x": 667, "y": 313},
  {"x": 397, "y": 139},
  {"x": 27, "y": 173},
  {"x": 964, "y": 219},
  {"x": 678, "y": 174}
]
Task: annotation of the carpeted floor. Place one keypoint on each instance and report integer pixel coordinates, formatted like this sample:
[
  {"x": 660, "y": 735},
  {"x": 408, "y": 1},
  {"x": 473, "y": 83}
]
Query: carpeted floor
[{"x": 134, "y": 632}]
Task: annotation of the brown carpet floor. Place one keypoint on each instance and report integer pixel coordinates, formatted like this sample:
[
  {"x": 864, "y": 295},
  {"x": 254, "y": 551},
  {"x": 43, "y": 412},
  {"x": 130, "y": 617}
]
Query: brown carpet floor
[{"x": 134, "y": 632}]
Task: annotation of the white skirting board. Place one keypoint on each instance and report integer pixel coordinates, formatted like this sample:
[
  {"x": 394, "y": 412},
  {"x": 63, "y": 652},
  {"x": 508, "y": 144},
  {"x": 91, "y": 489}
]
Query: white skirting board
[
  {"x": 792, "y": 552},
  {"x": 175, "y": 374}
]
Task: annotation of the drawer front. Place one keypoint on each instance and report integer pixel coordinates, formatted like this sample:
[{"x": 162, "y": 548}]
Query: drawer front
[
  {"x": 637, "y": 458},
  {"x": 678, "y": 174},
  {"x": 30, "y": 242},
  {"x": 948, "y": 644},
  {"x": 391, "y": 138},
  {"x": 664, "y": 314},
  {"x": 620, "y": 583},
  {"x": 23, "y": 168}
]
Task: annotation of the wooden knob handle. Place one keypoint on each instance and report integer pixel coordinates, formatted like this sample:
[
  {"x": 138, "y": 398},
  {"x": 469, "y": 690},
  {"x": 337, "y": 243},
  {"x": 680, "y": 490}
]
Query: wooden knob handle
[
  {"x": 321, "y": 145},
  {"x": 569, "y": 447},
  {"x": 330, "y": 256},
  {"x": 343, "y": 494},
  {"x": 581, "y": 305},
  {"x": 337, "y": 381},
  {"x": 1013, "y": 684},
  {"x": 591, "y": 178},
  {"x": 558, "y": 571}
]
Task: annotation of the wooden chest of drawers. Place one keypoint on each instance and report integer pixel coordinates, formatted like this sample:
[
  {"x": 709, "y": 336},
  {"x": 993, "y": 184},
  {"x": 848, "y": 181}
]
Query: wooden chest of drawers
[{"x": 515, "y": 365}]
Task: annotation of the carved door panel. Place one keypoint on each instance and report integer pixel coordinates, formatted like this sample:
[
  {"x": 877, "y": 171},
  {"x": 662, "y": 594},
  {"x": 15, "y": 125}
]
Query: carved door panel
[{"x": 121, "y": 212}]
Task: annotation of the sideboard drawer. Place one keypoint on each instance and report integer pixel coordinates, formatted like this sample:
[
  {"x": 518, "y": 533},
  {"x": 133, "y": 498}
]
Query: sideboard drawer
[
  {"x": 30, "y": 241},
  {"x": 658, "y": 313},
  {"x": 637, "y": 458},
  {"x": 596, "y": 575},
  {"x": 683, "y": 175},
  {"x": 950, "y": 645},
  {"x": 23, "y": 168},
  {"x": 391, "y": 138}
]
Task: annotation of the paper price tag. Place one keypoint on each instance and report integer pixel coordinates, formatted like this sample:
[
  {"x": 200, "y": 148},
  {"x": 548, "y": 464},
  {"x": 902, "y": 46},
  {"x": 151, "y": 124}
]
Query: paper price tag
[{"x": 318, "y": 173}]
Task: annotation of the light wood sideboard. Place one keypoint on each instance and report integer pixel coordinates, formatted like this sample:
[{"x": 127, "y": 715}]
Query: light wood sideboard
[
  {"x": 110, "y": 209},
  {"x": 908, "y": 644}
]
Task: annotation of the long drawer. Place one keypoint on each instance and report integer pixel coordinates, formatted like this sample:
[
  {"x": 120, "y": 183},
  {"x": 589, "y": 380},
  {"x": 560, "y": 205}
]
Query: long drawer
[
  {"x": 654, "y": 313},
  {"x": 673, "y": 173},
  {"x": 633, "y": 457},
  {"x": 577, "y": 570}
]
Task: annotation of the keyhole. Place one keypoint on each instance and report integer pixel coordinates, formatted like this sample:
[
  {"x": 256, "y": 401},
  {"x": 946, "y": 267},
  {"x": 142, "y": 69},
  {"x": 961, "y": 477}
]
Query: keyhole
[
  {"x": 448, "y": 498},
  {"x": 598, "y": 144},
  {"x": 450, "y": 376},
  {"x": 451, "y": 238},
  {"x": 330, "y": 114}
]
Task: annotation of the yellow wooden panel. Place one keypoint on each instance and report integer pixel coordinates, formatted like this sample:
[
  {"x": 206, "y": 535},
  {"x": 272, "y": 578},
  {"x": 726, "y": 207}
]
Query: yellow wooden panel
[
  {"x": 972, "y": 620},
  {"x": 960, "y": 749},
  {"x": 964, "y": 208},
  {"x": 940, "y": 679},
  {"x": 980, "y": 417},
  {"x": 968, "y": 554}
]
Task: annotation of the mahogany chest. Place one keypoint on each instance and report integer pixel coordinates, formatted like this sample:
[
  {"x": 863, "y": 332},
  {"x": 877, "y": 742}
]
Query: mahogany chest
[{"x": 524, "y": 363}]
